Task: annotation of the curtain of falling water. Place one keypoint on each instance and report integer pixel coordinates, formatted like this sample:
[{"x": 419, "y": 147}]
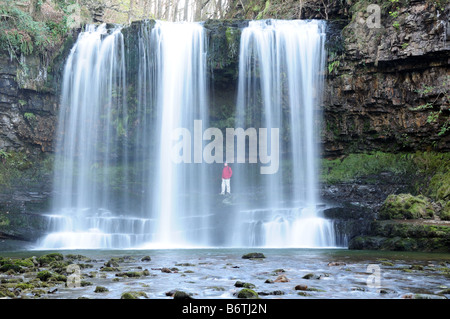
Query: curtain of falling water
[{"x": 280, "y": 84}]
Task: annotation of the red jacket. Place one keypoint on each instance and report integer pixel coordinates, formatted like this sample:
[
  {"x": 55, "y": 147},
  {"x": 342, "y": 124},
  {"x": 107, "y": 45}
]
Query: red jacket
[{"x": 227, "y": 172}]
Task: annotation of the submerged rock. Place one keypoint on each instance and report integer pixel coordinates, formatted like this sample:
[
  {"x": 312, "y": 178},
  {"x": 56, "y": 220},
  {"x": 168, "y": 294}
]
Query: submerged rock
[
  {"x": 253, "y": 256},
  {"x": 241, "y": 284},
  {"x": 312, "y": 276},
  {"x": 282, "y": 278},
  {"x": 336, "y": 263}
]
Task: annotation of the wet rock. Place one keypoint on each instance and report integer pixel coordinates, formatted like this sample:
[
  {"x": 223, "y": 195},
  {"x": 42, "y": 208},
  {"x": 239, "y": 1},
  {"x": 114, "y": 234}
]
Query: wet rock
[
  {"x": 130, "y": 274},
  {"x": 268, "y": 281},
  {"x": 281, "y": 278},
  {"x": 416, "y": 267},
  {"x": 444, "y": 292},
  {"x": 44, "y": 275},
  {"x": 241, "y": 284},
  {"x": 386, "y": 291},
  {"x": 146, "y": 258},
  {"x": 301, "y": 287},
  {"x": 312, "y": 276},
  {"x": 336, "y": 263},
  {"x": 110, "y": 269},
  {"x": 247, "y": 294},
  {"x": 253, "y": 256},
  {"x": 166, "y": 270},
  {"x": 100, "y": 289},
  {"x": 428, "y": 296},
  {"x": 47, "y": 259},
  {"x": 181, "y": 295},
  {"x": 133, "y": 295},
  {"x": 111, "y": 263},
  {"x": 185, "y": 265},
  {"x": 315, "y": 289},
  {"x": 388, "y": 264},
  {"x": 277, "y": 271}
]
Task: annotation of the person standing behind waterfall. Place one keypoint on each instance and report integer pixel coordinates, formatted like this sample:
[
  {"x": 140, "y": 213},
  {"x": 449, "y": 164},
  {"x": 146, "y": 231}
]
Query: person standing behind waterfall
[{"x": 226, "y": 175}]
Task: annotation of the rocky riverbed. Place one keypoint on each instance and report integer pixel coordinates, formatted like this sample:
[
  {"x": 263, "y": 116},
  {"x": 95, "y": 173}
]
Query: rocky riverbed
[{"x": 224, "y": 274}]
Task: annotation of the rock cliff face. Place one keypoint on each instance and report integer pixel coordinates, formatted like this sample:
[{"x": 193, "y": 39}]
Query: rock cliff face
[
  {"x": 27, "y": 116},
  {"x": 380, "y": 77}
]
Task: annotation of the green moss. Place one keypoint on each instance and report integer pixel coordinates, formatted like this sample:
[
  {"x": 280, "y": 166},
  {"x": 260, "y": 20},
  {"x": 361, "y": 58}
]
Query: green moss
[
  {"x": 9, "y": 266},
  {"x": 44, "y": 275},
  {"x": 406, "y": 206},
  {"x": 244, "y": 284},
  {"x": 49, "y": 258},
  {"x": 439, "y": 187},
  {"x": 100, "y": 289},
  {"x": 247, "y": 294},
  {"x": 353, "y": 166},
  {"x": 253, "y": 256},
  {"x": 445, "y": 212}
]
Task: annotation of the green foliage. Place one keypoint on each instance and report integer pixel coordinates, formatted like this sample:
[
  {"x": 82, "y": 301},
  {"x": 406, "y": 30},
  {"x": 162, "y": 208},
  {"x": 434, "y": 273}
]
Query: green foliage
[
  {"x": 358, "y": 165},
  {"x": 427, "y": 172},
  {"x": 4, "y": 221},
  {"x": 393, "y": 14},
  {"x": 443, "y": 94},
  {"x": 333, "y": 66},
  {"x": 19, "y": 170},
  {"x": 30, "y": 117},
  {"x": 21, "y": 34}
]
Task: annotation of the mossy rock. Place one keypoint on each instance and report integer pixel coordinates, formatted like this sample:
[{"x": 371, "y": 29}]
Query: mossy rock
[
  {"x": 49, "y": 258},
  {"x": 44, "y": 275},
  {"x": 406, "y": 206},
  {"x": 111, "y": 263},
  {"x": 247, "y": 294},
  {"x": 133, "y": 295},
  {"x": 100, "y": 289},
  {"x": 241, "y": 284},
  {"x": 9, "y": 266},
  {"x": 253, "y": 256}
]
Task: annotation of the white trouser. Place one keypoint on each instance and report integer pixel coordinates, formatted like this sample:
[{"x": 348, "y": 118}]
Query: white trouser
[{"x": 226, "y": 183}]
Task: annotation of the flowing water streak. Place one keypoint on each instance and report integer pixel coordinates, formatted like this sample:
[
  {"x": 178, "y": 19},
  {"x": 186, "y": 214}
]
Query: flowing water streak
[
  {"x": 90, "y": 147},
  {"x": 180, "y": 199},
  {"x": 280, "y": 78},
  {"x": 115, "y": 183}
]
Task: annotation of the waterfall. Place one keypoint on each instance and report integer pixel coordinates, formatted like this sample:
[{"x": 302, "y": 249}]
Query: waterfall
[
  {"x": 132, "y": 95},
  {"x": 122, "y": 98},
  {"x": 280, "y": 83},
  {"x": 181, "y": 198}
]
